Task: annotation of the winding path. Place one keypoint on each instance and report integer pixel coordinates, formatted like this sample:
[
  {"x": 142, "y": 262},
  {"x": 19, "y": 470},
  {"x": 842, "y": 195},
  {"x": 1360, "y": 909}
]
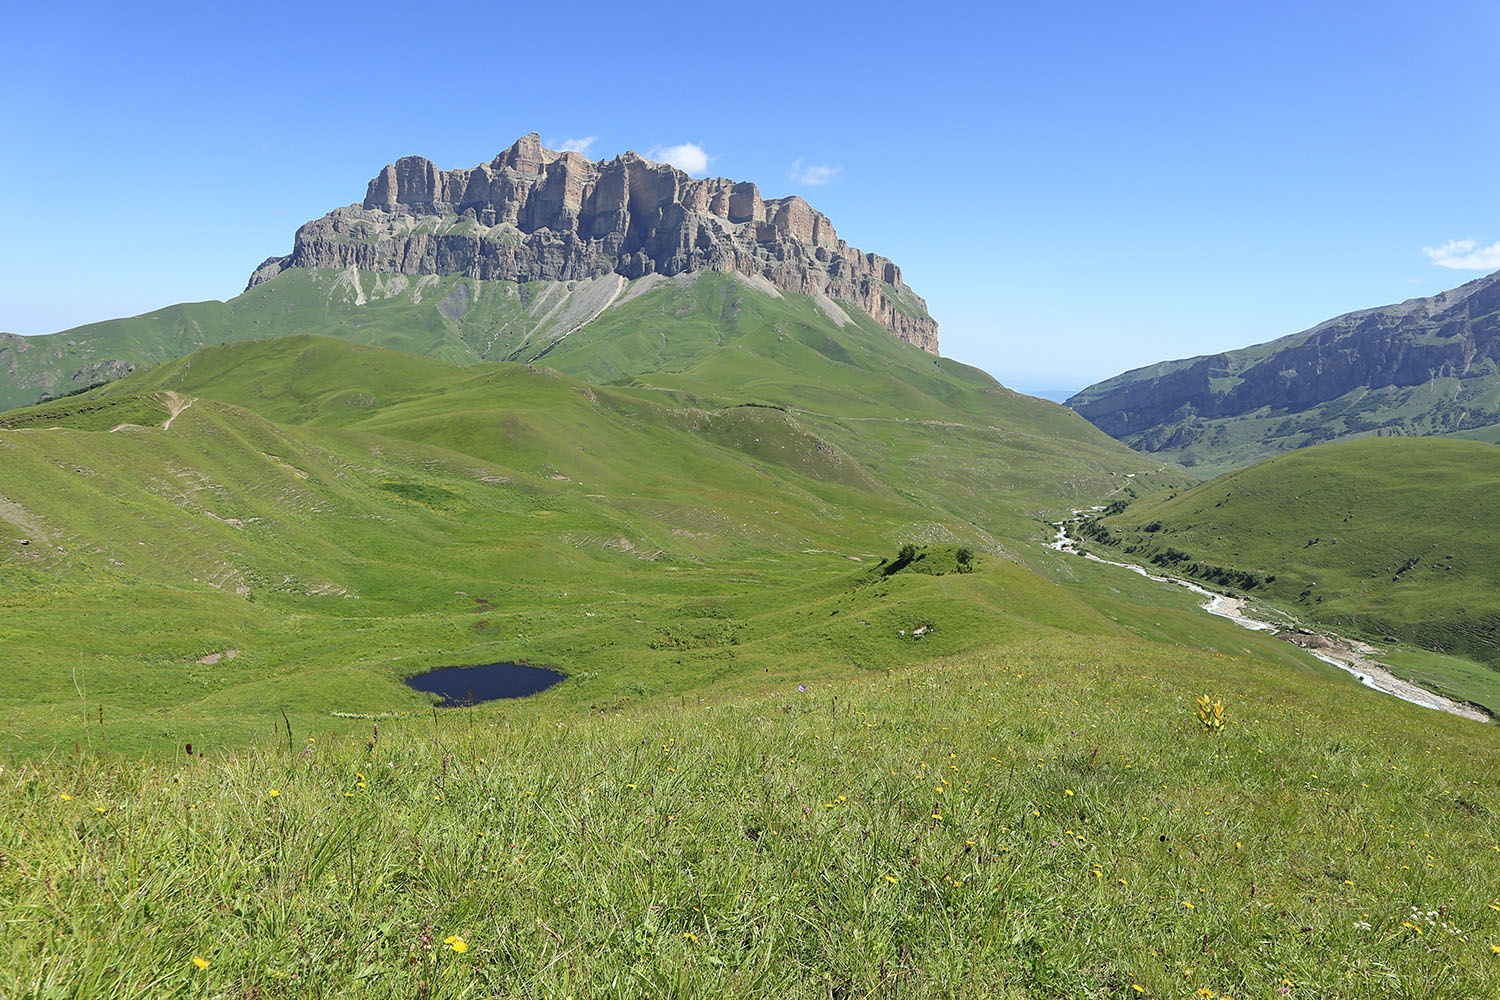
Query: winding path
[{"x": 1346, "y": 654}]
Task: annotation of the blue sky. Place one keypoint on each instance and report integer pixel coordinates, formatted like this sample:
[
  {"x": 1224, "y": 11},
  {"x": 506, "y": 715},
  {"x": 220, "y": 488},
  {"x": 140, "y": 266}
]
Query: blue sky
[{"x": 1075, "y": 189}]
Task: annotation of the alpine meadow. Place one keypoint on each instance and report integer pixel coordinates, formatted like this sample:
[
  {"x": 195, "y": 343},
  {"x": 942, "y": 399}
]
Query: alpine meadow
[{"x": 874, "y": 678}]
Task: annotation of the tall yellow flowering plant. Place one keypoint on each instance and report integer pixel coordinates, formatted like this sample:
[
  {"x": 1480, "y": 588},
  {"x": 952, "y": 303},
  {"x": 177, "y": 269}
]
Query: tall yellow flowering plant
[{"x": 1211, "y": 713}]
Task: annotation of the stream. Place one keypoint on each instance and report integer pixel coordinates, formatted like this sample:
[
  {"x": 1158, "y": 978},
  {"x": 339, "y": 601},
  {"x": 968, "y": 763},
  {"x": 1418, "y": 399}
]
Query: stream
[{"x": 1348, "y": 655}]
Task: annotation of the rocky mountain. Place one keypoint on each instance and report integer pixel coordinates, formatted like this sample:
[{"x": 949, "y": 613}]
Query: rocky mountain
[
  {"x": 1428, "y": 366},
  {"x": 534, "y": 213},
  {"x": 534, "y": 255}
]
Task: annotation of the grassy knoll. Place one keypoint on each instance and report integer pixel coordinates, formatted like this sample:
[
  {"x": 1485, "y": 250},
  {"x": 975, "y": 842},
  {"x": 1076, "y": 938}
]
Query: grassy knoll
[
  {"x": 1042, "y": 819},
  {"x": 1385, "y": 537}
]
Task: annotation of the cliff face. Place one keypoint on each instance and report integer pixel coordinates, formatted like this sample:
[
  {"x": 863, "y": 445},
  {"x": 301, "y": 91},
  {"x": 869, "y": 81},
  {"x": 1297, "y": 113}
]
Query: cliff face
[
  {"x": 1395, "y": 354},
  {"x": 1444, "y": 336},
  {"x": 533, "y": 213}
]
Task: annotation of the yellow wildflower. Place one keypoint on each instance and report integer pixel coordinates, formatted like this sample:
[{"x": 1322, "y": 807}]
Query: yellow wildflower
[
  {"x": 457, "y": 943},
  {"x": 274, "y": 792},
  {"x": 66, "y": 797},
  {"x": 201, "y": 963}
]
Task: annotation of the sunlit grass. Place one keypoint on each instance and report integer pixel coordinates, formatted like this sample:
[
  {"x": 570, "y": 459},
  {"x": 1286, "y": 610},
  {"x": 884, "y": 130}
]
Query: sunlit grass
[{"x": 1047, "y": 820}]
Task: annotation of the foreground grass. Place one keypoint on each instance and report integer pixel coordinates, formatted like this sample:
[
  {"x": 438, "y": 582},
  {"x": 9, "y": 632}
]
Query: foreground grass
[{"x": 1043, "y": 820}]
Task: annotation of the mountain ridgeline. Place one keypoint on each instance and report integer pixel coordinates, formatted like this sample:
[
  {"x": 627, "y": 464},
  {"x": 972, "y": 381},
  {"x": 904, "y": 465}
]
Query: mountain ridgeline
[
  {"x": 533, "y": 214},
  {"x": 1428, "y": 366},
  {"x": 499, "y": 262}
]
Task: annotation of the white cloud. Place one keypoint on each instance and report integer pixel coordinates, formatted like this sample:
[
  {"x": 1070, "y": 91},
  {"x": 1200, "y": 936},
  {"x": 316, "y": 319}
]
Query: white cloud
[
  {"x": 815, "y": 174},
  {"x": 688, "y": 157},
  {"x": 1465, "y": 255},
  {"x": 577, "y": 145}
]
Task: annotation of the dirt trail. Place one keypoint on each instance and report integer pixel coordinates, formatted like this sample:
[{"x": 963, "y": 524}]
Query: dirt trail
[
  {"x": 1346, "y": 654},
  {"x": 176, "y": 403}
]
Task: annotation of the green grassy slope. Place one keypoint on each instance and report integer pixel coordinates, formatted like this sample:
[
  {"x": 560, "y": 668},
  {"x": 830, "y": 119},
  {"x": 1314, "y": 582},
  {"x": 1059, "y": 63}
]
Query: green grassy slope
[
  {"x": 1382, "y": 537},
  {"x": 417, "y": 513},
  {"x": 1045, "y": 820},
  {"x": 451, "y": 317},
  {"x": 943, "y": 434},
  {"x": 1016, "y": 802}
]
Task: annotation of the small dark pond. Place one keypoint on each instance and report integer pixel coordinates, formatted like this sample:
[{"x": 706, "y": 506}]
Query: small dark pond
[{"x": 471, "y": 685}]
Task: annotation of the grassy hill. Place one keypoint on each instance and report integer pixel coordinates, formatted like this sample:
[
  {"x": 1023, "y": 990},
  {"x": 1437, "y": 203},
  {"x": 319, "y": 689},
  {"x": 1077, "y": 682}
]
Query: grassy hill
[
  {"x": 785, "y": 760},
  {"x": 1386, "y": 537},
  {"x": 449, "y": 317},
  {"x": 647, "y": 325},
  {"x": 947, "y": 434},
  {"x": 342, "y": 516}
]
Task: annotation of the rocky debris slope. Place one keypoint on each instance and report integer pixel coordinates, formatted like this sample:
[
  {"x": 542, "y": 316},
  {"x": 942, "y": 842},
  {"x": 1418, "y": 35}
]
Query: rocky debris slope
[
  {"x": 533, "y": 213},
  {"x": 1423, "y": 366}
]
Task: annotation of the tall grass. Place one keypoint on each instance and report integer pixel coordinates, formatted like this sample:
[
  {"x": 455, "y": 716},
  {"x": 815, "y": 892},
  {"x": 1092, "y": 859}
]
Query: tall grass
[{"x": 1044, "y": 820}]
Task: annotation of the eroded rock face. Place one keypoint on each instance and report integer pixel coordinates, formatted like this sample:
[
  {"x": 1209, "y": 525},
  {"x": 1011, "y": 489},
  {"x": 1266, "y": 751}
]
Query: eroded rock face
[
  {"x": 1449, "y": 335},
  {"x": 533, "y": 213},
  {"x": 1370, "y": 371},
  {"x": 100, "y": 372}
]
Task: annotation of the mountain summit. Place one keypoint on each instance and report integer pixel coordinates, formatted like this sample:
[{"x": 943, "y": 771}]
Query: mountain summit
[{"x": 534, "y": 213}]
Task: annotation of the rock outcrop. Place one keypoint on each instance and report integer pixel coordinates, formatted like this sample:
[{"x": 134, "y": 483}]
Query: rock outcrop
[{"x": 533, "y": 213}]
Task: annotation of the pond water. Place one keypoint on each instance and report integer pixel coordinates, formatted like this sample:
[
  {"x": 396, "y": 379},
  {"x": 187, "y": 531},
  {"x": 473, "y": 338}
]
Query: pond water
[{"x": 471, "y": 685}]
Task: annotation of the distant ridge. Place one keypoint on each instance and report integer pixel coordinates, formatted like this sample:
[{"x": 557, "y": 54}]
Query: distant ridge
[
  {"x": 1426, "y": 366},
  {"x": 534, "y": 213}
]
